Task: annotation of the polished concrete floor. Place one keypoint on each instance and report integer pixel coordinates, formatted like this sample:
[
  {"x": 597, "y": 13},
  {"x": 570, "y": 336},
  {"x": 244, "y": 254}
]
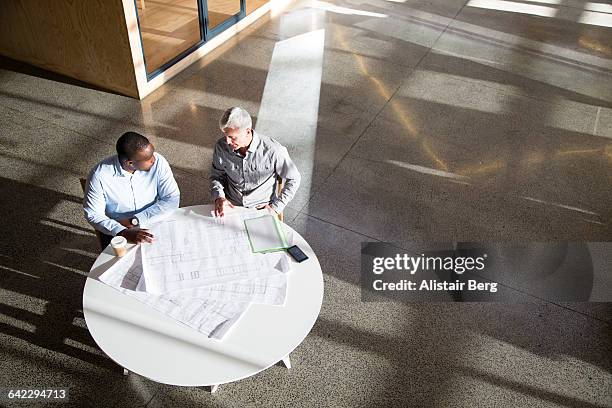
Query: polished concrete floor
[{"x": 436, "y": 120}]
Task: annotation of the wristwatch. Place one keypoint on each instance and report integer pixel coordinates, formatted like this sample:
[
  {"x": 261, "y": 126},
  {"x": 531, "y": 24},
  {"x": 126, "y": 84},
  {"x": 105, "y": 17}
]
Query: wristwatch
[{"x": 134, "y": 222}]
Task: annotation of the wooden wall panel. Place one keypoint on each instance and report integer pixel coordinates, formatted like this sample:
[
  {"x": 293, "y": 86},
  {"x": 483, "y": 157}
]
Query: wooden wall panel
[{"x": 82, "y": 39}]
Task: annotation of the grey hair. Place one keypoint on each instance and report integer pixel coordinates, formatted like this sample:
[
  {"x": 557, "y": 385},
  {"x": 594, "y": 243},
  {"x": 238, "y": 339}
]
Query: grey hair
[{"x": 236, "y": 118}]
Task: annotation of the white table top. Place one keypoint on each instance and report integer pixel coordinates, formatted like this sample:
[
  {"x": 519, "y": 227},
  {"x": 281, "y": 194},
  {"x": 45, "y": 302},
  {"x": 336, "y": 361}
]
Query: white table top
[{"x": 158, "y": 347}]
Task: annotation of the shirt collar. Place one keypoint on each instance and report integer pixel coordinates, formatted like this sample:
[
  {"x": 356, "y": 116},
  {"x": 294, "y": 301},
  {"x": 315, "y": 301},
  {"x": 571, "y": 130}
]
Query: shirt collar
[
  {"x": 120, "y": 171},
  {"x": 254, "y": 143}
]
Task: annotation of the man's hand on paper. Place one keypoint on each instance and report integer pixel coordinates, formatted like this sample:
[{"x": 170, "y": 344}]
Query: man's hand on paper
[
  {"x": 220, "y": 205},
  {"x": 137, "y": 235}
]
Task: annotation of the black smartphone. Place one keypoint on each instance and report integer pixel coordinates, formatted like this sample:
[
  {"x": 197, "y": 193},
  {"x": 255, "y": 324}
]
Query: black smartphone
[{"x": 297, "y": 254}]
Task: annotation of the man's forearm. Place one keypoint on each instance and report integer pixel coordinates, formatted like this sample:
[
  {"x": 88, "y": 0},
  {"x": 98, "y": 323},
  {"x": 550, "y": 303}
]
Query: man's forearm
[
  {"x": 216, "y": 189},
  {"x": 103, "y": 223},
  {"x": 286, "y": 195},
  {"x": 163, "y": 205}
]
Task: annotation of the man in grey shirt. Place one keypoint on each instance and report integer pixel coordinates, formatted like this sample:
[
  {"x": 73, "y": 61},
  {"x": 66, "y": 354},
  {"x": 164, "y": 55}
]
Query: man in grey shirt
[{"x": 246, "y": 165}]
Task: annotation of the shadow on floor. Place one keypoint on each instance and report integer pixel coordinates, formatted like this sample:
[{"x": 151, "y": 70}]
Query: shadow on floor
[{"x": 46, "y": 261}]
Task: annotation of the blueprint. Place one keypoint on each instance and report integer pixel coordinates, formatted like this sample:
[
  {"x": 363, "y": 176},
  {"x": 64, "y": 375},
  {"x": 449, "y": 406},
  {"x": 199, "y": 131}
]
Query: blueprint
[
  {"x": 201, "y": 272},
  {"x": 198, "y": 251}
]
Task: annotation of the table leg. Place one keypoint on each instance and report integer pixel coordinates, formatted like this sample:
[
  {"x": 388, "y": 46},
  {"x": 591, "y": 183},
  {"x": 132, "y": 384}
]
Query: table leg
[
  {"x": 125, "y": 371},
  {"x": 287, "y": 362},
  {"x": 214, "y": 388}
]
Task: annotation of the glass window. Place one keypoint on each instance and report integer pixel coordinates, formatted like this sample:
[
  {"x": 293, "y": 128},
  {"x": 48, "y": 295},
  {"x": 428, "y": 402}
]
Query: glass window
[
  {"x": 167, "y": 27},
  {"x": 221, "y": 10},
  {"x": 252, "y": 5},
  {"x": 170, "y": 27}
]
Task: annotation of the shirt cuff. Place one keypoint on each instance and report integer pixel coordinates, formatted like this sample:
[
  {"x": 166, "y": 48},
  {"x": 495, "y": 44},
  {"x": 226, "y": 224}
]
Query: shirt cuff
[
  {"x": 277, "y": 206},
  {"x": 116, "y": 230},
  {"x": 142, "y": 217},
  {"x": 217, "y": 194}
]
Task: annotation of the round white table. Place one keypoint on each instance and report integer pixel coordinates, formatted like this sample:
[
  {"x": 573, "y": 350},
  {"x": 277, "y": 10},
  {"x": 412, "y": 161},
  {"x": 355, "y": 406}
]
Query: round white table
[{"x": 151, "y": 344}]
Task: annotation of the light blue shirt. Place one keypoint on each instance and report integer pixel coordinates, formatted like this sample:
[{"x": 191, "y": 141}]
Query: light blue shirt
[{"x": 113, "y": 193}]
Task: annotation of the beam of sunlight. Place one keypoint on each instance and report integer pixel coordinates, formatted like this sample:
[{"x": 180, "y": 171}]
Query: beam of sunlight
[
  {"x": 605, "y": 151},
  {"x": 551, "y": 64},
  {"x": 81, "y": 252},
  {"x": 52, "y": 224},
  {"x": 601, "y": 7},
  {"x": 289, "y": 107},
  {"x": 593, "y": 221},
  {"x": 434, "y": 156},
  {"x": 523, "y": 8},
  {"x": 594, "y": 14},
  {"x": 277, "y": 7},
  {"x": 567, "y": 207},
  {"x": 533, "y": 158},
  {"x": 404, "y": 119},
  {"x": 20, "y": 324},
  {"x": 22, "y": 301},
  {"x": 189, "y": 156},
  {"x": 161, "y": 40},
  {"x": 492, "y": 97},
  {"x": 140, "y": 387},
  {"x": 553, "y": 2},
  {"x": 81, "y": 346},
  {"x": 399, "y": 113},
  {"x": 387, "y": 94},
  {"x": 427, "y": 170},
  {"x": 595, "y": 18},
  {"x": 323, "y": 5},
  {"x": 559, "y": 109},
  {"x": 425, "y": 85},
  {"x": 412, "y": 131},
  {"x": 382, "y": 90},
  {"x": 529, "y": 391},
  {"x": 575, "y": 152},
  {"x": 19, "y": 272},
  {"x": 420, "y": 28},
  {"x": 67, "y": 268},
  {"x": 79, "y": 322},
  {"x": 465, "y": 183}
]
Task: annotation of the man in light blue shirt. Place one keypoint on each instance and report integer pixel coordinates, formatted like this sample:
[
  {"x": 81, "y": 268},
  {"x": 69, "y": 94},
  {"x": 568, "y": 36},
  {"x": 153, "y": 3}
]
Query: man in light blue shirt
[{"x": 130, "y": 189}]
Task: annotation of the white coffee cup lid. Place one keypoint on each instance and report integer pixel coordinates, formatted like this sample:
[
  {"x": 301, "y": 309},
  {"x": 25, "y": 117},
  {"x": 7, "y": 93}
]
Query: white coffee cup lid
[{"x": 118, "y": 242}]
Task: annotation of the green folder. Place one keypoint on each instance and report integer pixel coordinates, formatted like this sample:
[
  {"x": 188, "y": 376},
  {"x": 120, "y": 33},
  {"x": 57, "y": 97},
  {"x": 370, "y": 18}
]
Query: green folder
[{"x": 265, "y": 234}]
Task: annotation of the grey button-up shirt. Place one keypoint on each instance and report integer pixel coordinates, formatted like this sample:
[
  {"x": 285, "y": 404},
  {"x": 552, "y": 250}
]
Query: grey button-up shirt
[{"x": 251, "y": 180}]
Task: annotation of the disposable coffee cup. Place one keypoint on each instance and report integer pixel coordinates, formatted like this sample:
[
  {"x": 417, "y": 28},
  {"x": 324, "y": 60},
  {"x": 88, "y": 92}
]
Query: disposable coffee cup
[{"x": 119, "y": 245}]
